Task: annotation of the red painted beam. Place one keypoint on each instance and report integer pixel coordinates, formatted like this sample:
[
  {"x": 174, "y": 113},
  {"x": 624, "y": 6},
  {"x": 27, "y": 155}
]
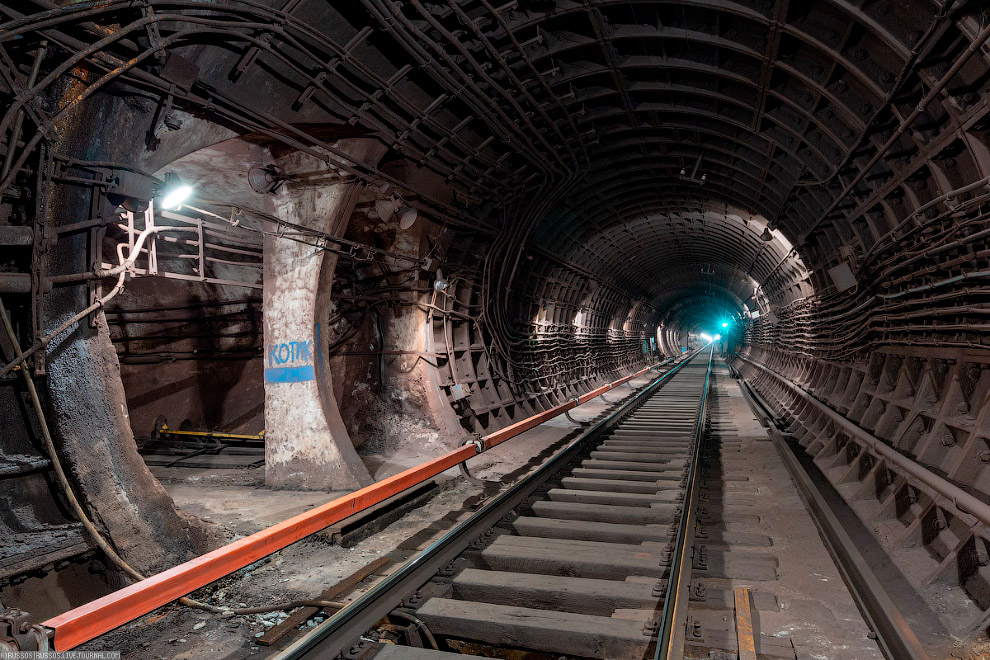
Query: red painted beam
[
  {"x": 102, "y": 615},
  {"x": 521, "y": 426}
]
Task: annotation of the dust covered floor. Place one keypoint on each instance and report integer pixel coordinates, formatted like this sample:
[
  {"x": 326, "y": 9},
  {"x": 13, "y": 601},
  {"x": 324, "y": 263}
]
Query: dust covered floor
[
  {"x": 816, "y": 611},
  {"x": 238, "y": 502}
]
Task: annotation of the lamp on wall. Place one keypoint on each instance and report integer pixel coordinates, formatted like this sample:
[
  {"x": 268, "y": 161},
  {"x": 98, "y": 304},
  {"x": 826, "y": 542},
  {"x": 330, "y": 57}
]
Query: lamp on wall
[
  {"x": 173, "y": 193},
  {"x": 407, "y": 217}
]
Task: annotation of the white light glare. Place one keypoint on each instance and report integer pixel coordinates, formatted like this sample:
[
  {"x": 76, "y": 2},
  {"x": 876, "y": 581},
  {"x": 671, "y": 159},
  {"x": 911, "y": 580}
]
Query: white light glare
[
  {"x": 175, "y": 197},
  {"x": 705, "y": 336},
  {"x": 717, "y": 337}
]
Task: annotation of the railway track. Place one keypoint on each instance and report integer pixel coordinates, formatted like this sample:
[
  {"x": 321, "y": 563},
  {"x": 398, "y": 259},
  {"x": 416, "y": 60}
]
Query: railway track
[{"x": 603, "y": 552}]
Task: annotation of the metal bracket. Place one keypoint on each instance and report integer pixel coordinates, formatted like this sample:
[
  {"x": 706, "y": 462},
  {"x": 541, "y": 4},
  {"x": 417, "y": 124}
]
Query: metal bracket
[
  {"x": 699, "y": 559},
  {"x": 360, "y": 650},
  {"x": 17, "y": 633},
  {"x": 567, "y": 413},
  {"x": 660, "y": 589},
  {"x": 473, "y": 439},
  {"x": 602, "y": 395},
  {"x": 694, "y": 631}
]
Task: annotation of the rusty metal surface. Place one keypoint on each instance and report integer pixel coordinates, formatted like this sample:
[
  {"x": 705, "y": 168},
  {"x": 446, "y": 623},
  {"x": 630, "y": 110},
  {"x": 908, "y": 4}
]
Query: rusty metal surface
[
  {"x": 596, "y": 175},
  {"x": 744, "y": 624}
]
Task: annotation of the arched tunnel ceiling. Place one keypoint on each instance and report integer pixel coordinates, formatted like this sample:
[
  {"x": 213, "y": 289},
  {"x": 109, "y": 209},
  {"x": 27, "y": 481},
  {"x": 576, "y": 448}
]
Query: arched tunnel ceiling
[
  {"x": 665, "y": 124},
  {"x": 756, "y": 98},
  {"x": 646, "y": 142},
  {"x": 663, "y": 254},
  {"x": 588, "y": 175}
]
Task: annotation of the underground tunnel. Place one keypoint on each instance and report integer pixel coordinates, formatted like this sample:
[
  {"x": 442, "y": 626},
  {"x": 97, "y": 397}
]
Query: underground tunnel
[{"x": 527, "y": 329}]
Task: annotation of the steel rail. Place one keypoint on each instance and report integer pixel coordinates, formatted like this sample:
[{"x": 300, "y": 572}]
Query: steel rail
[
  {"x": 344, "y": 628},
  {"x": 670, "y": 638},
  {"x": 959, "y": 498},
  {"x": 102, "y": 615}
]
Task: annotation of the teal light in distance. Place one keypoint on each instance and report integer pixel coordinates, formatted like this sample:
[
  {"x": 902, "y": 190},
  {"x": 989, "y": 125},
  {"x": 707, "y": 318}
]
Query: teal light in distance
[{"x": 725, "y": 324}]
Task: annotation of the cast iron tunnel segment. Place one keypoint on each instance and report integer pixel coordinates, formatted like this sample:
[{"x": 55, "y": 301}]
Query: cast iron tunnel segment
[{"x": 591, "y": 556}]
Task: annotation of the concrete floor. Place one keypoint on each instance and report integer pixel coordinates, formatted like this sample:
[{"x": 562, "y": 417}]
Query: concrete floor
[
  {"x": 237, "y": 501},
  {"x": 816, "y": 610}
]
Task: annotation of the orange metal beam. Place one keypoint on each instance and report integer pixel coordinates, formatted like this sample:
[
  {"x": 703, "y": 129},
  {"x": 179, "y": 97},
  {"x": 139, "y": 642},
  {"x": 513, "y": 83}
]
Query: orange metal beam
[
  {"x": 744, "y": 625},
  {"x": 104, "y": 614},
  {"x": 521, "y": 426},
  {"x": 91, "y": 620}
]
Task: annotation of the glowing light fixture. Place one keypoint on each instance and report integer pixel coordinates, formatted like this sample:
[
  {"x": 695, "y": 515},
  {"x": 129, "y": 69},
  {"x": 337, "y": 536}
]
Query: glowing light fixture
[
  {"x": 725, "y": 324},
  {"x": 176, "y": 195},
  {"x": 705, "y": 336},
  {"x": 407, "y": 217},
  {"x": 717, "y": 337}
]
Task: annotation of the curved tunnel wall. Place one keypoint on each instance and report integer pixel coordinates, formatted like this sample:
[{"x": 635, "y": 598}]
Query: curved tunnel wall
[{"x": 590, "y": 172}]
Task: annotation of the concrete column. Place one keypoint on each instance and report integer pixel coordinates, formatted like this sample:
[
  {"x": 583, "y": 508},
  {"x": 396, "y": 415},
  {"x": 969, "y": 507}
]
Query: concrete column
[{"x": 306, "y": 443}]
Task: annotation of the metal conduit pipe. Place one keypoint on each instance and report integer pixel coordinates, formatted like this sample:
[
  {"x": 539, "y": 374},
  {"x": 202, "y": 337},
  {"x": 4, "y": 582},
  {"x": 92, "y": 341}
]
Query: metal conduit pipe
[
  {"x": 120, "y": 271},
  {"x": 482, "y": 103},
  {"x": 15, "y": 283},
  {"x": 939, "y": 283},
  {"x": 942, "y": 83},
  {"x": 231, "y": 109},
  {"x": 902, "y": 128},
  {"x": 962, "y": 500}
]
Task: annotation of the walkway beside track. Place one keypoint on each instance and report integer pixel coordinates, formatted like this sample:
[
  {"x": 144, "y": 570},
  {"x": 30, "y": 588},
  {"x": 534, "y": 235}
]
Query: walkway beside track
[
  {"x": 577, "y": 560},
  {"x": 750, "y": 488}
]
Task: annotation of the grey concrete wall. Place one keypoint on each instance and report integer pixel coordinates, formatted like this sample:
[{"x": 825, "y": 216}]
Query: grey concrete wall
[{"x": 306, "y": 442}]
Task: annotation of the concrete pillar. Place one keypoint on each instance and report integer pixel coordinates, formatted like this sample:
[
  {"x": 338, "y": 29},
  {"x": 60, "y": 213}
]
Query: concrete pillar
[{"x": 306, "y": 443}]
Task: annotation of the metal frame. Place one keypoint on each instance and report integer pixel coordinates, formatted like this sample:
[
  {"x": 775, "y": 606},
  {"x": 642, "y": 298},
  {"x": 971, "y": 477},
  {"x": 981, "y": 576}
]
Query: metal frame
[{"x": 963, "y": 503}]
